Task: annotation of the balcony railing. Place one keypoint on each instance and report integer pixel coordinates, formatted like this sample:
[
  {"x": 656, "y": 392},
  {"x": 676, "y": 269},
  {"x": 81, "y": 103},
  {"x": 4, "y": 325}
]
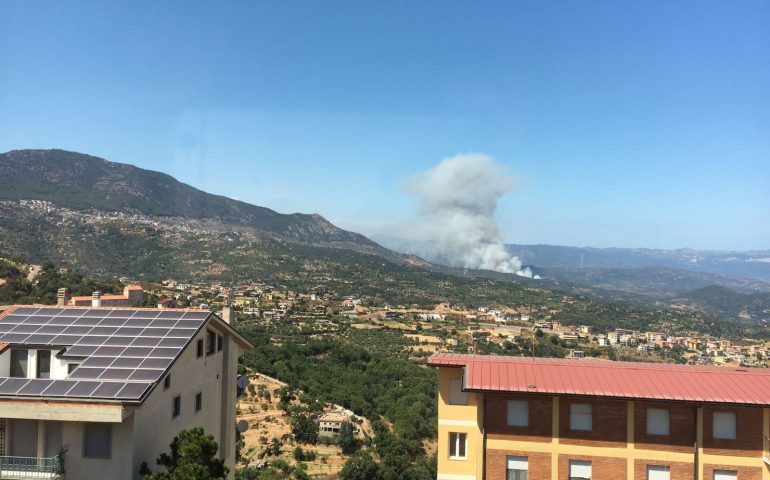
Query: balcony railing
[{"x": 22, "y": 468}]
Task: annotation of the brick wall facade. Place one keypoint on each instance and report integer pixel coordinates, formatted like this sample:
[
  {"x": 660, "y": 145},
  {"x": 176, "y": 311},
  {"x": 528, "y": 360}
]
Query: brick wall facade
[
  {"x": 602, "y": 468},
  {"x": 678, "y": 471},
  {"x": 682, "y": 423},
  {"x": 539, "y": 464},
  {"x": 495, "y": 420},
  {"x": 609, "y": 423},
  {"x": 748, "y": 441},
  {"x": 744, "y": 473}
]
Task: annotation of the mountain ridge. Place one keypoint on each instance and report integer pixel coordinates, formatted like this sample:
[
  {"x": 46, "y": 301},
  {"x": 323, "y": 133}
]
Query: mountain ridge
[{"x": 84, "y": 182}]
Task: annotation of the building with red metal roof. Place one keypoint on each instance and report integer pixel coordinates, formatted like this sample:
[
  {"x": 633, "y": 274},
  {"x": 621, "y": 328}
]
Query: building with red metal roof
[{"x": 547, "y": 419}]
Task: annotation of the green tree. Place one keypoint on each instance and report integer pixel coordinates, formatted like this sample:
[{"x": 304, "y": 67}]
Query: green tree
[
  {"x": 361, "y": 466},
  {"x": 346, "y": 439},
  {"x": 304, "y": 429},
  {"x": 192, "y": 457}
]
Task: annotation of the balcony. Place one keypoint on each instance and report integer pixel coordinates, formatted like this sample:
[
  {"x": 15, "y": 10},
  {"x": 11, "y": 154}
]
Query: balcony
[{"x": 22, "y": 468}]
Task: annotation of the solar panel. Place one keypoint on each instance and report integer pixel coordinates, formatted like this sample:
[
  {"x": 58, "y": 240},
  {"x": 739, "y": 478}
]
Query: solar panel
[
  {"x": 116, "y": 374},
  {"x": 145, "y": 342},
  {"x": 83, "y": 389},
  {"x": 126, "y": 362},
  {"x": 12, "y": 385},
  {"x": 123, "y": 351},
  {"x": 146, "y": 375},
  {"x": 36, "y": 339},
  {"x": 80, "y": 351},
  {"x": 53, "y": 329},
  {"x": 66, "y": 339},
  {"x": 173, "y": 342},
  {"x": 86, "y": 373},
  {"x": 37, "y": 320},
  {"x": 74, "y": 330},
  {"x": 164, "y": 323},
  {"x": 24, "y": 328},
  {"x": 133, "y": 391},
  {"x": 88, "y": 322},
  {"x": 14, "y": 337},
  {"x": 34, "y": 387},
  {"x": 155, "y": 363},
  {"x": 137, "y": 352},
  {"x": 112, "y": 322},
  {"x": 97, "y": 362},
  {"x": 165, "y": 352},
  {"x": 119, "y": 341},
  {"x": 59, "y": 388},
  {"x": 129, "y": 331},
  {"x": 107, "y": 389}
]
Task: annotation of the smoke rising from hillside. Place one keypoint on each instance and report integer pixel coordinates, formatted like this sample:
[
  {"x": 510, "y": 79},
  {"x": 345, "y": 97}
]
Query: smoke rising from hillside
[{"x": 456, "y": 219}]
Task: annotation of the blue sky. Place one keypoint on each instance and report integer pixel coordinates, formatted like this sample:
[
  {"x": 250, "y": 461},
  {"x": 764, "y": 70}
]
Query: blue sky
[{"x": 625, "y": 123}]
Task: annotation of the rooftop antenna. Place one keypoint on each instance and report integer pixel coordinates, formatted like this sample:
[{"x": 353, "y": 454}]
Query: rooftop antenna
[{"x": 533, "y": 344}]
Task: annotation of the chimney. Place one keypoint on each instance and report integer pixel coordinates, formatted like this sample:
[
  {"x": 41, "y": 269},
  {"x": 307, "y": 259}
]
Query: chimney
[
  {"x": 227, "y": 310},
  {"x": 96, "y": 299},
  {"x": 62, "y": 297},
  {"x": 475, "y": 346}
]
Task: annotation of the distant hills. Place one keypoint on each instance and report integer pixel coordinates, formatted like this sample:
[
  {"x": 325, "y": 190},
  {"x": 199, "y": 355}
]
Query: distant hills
[
  {"x": 82, "y": 183},
  {"x": 750, "y": 264},
  {"x": 726, "y": 303},
  {"x": 115, "y": 220}
]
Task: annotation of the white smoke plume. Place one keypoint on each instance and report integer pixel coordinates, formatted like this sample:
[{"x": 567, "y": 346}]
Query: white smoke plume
[{"x": 456, "y": 219}]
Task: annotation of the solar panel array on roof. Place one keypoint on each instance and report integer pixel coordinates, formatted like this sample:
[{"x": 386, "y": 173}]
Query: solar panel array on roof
[{"x": 123, "y": 351}]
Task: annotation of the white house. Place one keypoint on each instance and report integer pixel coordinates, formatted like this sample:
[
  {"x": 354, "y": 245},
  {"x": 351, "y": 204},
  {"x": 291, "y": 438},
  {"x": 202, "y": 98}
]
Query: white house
[{"x": 95, "y": 392}]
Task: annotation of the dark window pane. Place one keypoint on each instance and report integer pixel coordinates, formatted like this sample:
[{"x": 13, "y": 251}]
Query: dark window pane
[
  {"x": 19, "y": 363},
  {"x": 43, "y": 364},
  {"x": 97, "y": 441},
  {"x": 176, "y": 406}
]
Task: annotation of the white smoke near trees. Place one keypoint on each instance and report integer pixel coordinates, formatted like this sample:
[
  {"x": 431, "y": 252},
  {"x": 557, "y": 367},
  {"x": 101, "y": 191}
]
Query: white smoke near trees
[{"x": 456, "y": 220}]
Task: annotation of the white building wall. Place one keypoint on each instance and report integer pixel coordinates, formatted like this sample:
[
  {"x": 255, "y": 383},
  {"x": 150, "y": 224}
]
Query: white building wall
[
  {"x": 5, "y": 363},
  {"x": 154, "y": 427},
  {"x": 118, "y": 466}
]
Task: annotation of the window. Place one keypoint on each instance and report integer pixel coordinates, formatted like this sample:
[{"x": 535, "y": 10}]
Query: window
[
  {"x": 43, "y": 364},
  {"x": 97, "y": 440},
  {"x": 579, "y": 470},
  {"x": 71, "y": 367},
  {"x": 657, "y": 421},
  {"x": 167, "y": 382},
  {"x": 516, "y": 468},
  {"x": 724, "y": 425},
  {"x": 220, "y": 340},
  {"x": 725, "y": 475},
  {"x": 580, "y": 417},
  {"x": 19, "y": 363},
  {"x": 518, "y": 413},
  {"x": 456, "y": 394},
  {"x": 658, "y": 472},
  {"x": 457, "y": 444},
  {"x": 200, "y": 348},
  {"x": 176, "y": 406},
  {"x": 211, "y": 342},
  {"x": 198, "y": 401}
]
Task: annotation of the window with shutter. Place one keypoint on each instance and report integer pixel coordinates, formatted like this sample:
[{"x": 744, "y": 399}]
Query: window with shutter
[
  {"x": 518, "y": 413},
  {"x": 581, "y": 417}
]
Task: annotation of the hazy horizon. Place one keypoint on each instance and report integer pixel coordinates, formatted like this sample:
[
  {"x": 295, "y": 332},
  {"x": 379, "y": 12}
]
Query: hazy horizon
[{"x": 619, "y": 124}]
